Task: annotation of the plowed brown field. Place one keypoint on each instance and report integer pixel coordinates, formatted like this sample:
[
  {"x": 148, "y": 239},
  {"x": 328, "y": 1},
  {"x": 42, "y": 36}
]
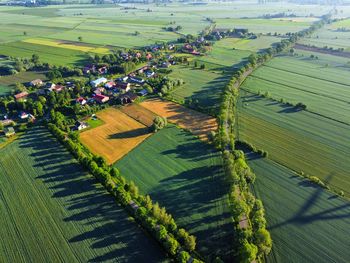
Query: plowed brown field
[{"x": 198, "y": 123}]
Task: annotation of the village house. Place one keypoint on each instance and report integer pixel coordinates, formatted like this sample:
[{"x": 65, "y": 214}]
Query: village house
[
  {"x": 50, "y": 85},
  {"x": 79, "y": 125},
  {"x": 97, "y": 82},
  {"x": 110, "y": 85},
  {"x": 56, "y": 88},
  {"x": 135, "y": 80},
  {"x": 6, "y": 122},
  {"x": 127, "y": 98},
  {"x": 36, "y": 83},
  {"x": 103, "y": 70},
  {"x": 23, "y": 115},
  {"x": 149, "y": 56},
  {"x": 21, "y": 96},
  {"x": 81, "y": 101},
  {"x": 99, "y": 90},
  {"x": 125, "y": 78},
  {"x": 165, "y": 64},
  {"x": 101, "y": 98},
  {"x": 9, "y": 131},
  {"x": 143, "y": 92},
  {"x": 124, "y": 86},
  {"x": 89, "y": 69},
  {"x": 149, "y": 73}
]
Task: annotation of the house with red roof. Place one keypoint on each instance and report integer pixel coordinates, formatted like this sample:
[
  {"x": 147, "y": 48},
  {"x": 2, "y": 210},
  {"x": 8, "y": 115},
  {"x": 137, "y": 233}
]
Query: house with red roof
[
  {"x": 21, "y": 96},
  {"x": 81, "y": 101},
  {"x": 101, "y": 98}
]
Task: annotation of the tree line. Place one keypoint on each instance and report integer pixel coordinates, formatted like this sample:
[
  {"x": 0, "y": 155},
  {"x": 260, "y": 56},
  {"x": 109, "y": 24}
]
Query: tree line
[
  {"x": 177, "y": 242},
  {"x": 252, "y": 240}
]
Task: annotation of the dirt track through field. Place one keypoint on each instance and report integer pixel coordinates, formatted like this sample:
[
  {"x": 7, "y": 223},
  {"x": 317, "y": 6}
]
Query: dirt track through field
[
  {"x": 198, "y": 123},
  {"x": 119, "y": 135}
]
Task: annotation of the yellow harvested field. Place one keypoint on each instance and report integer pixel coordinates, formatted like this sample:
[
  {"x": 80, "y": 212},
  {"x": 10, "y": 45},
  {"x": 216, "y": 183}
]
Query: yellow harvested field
[
  {"x": 198, "y": 123},
  {"x": 78, "y": 47},
  {"x": 119, "y": 135}
]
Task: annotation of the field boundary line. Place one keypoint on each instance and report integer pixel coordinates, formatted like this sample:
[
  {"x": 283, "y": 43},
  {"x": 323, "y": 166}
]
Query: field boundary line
[
  {"x": 307, "y": 91},
  {"x": 305, "y": 75}
]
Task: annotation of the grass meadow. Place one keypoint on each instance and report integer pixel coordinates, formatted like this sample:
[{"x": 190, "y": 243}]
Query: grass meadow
[
  {"x": 8, "y": 83},
  {"x": 307, "y": 223},
  {"x": 324, "y": 89},
  {"x": 205, "y": 87},
  {"x": 330, "y": 36},
  {"x": 300, "y": 140},
  {"x": 185, "y": 175},
  {"x": 51, "y": 209}
]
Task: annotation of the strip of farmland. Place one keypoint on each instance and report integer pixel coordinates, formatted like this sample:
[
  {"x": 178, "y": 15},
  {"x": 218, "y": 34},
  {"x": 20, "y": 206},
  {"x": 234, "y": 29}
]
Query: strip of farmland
[{"x": 53, "y": 210}]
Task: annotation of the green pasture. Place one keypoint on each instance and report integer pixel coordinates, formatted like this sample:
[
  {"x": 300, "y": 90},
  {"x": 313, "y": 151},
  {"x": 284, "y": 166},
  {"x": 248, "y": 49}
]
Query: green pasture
[
  {"x": 324, "y": 89},
  {"x": 223, "y": 57},
  {"x": 254, "y": 45},
  {"x": 185, "y": 175},
  {"x": 52, "y": 210},
  {"x": 264, "y": 26},
  {"x": 202, "y": 85},
  {"x": 8, "y": 83},
  {"x": 329, "y": 37},
  {"x": 300, "y": 140},
  {"x": 53, "y": 55},
  {"x": 307, "y": 223}
]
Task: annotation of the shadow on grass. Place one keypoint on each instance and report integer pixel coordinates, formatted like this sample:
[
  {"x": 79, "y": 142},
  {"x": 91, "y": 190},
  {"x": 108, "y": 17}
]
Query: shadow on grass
[
  {"x": 93, "y": 214},
  {"x": 130, "y": 134},
  {"x": 305, "y": 216}
]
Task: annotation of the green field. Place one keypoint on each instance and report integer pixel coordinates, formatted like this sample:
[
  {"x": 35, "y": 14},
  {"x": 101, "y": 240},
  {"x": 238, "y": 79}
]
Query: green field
[
  {"x": 300, "y": 140},
  {"x": 52, "y": 210},
  {"x": 205, "y": 87},
  {"x": 265, "y": 26},
  {"x": 185, "y": 175},
  {"x": 324, "y": 89},
  {"x": 53, "y": 55},
  {"x": 7, "y": 83},
  {"x": 330, "y": 36},
  {"x": 307, "y": 224},
  {"x": 223, "y": 57}
]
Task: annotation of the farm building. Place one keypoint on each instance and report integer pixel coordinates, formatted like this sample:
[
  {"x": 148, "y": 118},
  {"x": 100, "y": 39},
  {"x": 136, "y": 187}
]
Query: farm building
[
  {"x": 79, "y": 125},
  {"x": 97, "y": 82},
  {"x": 81, "y": 101},
  {"x": 127, "y": 98},
  {"x": 9, "y": 131},
  {"x": 101, "y": 98},
  {"x": 36, "y": 83},
  {"x": 21, "y": 96}
]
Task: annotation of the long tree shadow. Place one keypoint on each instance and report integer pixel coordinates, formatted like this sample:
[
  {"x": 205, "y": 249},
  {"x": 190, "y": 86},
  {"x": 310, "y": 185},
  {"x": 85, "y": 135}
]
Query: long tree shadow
[
  {"x": 197, "y": 200},
  {"x": 95, "y": 219},
  {"x": 303, "y": 216},
  {"x": 130, "y": 134}
]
